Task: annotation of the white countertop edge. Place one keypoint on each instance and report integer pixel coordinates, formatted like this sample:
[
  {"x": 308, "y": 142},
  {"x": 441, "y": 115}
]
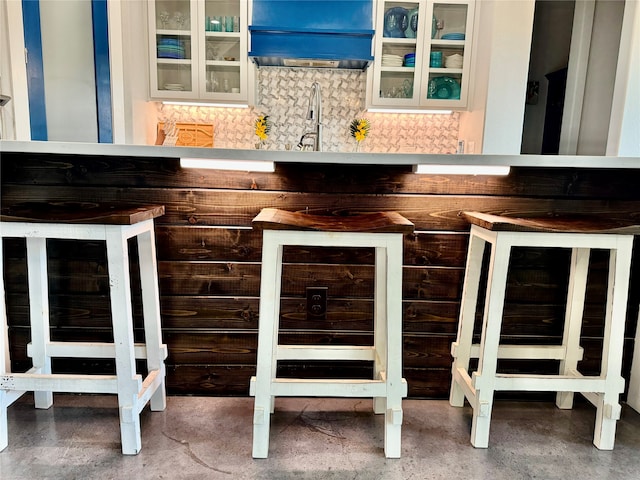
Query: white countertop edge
[{"x": 391, "y": 159}]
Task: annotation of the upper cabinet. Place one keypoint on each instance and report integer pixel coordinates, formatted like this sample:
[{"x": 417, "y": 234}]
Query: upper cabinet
[
  {"x": 422, "y": 54},
  {"x": 198, "y": 50}
]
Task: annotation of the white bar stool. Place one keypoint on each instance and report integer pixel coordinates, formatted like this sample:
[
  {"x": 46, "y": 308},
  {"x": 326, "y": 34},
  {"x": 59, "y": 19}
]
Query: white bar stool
[
  {"x": 581, "y": 234},
  {"x": 382, "y": 231},
  {"x": 114, "y": 226}
]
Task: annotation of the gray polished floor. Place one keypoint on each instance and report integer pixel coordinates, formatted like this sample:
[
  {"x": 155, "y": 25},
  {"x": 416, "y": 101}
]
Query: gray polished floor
[{"x": 203, "y": 437}]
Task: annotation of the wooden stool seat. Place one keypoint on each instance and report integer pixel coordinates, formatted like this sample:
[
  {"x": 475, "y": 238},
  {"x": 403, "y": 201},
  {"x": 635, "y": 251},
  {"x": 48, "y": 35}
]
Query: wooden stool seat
[
  {"x": 381, "y": 231},
  {"x": 580, "y": 234},
  {"x": 75, "y": 221},
  {"x": 377, "y": 222}
]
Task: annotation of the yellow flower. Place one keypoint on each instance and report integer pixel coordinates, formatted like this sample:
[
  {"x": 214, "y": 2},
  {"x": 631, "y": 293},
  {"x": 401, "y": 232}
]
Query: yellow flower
[
  {"x": 263, "y": 126},
  {"x": 359, "y": 129}
]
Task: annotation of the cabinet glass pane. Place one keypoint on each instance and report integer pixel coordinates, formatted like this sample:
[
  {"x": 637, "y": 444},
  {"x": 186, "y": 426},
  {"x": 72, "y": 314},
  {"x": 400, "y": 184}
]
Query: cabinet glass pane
[
  {"x": 447, "y": 50},
  {"x": 396, "y": 85},
  {"x": 174, "y": 47},
  {"x": 222, "y": 78},
  {"x": 222, "y": 16},
  {"x": 173, "y": 15},
  {"x": 450, "y": 21},
  {"x": 222, "y": 46}
]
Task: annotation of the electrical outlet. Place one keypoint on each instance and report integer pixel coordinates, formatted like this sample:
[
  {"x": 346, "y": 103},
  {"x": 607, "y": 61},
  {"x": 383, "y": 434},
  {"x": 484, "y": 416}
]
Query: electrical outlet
[{"x": 317, "y": 303}]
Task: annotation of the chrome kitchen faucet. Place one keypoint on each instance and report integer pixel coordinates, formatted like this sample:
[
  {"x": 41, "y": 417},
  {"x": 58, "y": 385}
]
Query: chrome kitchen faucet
[{"x": 314, "y": 112}]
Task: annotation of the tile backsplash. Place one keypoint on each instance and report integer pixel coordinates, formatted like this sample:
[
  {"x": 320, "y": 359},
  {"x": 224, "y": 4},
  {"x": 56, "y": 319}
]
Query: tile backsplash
[{"x": 283, "y": 94}]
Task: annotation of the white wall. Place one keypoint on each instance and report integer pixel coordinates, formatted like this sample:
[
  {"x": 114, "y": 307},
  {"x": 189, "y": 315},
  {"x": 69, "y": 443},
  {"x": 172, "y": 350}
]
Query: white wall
[
  {"x": 601, "y": 71},
  {"x": 69, "y": 74},
  {"x": 472, "y": 121},
  {"x": 501, "y": 61}
]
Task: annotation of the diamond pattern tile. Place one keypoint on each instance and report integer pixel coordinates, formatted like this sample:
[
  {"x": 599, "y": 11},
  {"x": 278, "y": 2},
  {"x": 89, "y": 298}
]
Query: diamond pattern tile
[{"x": 283, "y": 94}]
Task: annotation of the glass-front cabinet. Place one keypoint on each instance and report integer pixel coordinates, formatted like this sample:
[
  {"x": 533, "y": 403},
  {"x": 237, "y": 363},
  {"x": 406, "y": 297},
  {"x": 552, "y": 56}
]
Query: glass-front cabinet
[
  {"x": 198, "y": 49},
  {"x": 422, "y": 54}
]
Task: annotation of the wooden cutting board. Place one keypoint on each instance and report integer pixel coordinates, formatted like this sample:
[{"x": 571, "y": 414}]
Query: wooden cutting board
[{"x": 189, "y": 135}]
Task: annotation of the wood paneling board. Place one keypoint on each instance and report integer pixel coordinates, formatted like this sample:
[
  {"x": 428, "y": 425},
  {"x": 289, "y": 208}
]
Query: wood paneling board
[
  {"x": 45, "y": 169},
  {"x": 220, "y": 207},
  {"x": 209, "y": 261}
]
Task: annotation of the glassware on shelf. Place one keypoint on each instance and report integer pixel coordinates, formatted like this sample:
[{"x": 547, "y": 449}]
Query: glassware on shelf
[
  {"x": 164, "y": 19},
  {"x": 212, "y": 53},
  {"x": 179, "y": 20},
  {"x": 439, "y": 27}
]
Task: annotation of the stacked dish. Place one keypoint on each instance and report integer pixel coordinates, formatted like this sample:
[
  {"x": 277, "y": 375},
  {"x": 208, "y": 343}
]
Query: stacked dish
[
  {"x": 389, "y": 60},
  {"x": 170, "y": 48},
  {"x": 453, "y": 36},
  {"x": 176, "y": 87},
  {"x": 453, "y": 61},
  {"x": 410, "y": 60}
]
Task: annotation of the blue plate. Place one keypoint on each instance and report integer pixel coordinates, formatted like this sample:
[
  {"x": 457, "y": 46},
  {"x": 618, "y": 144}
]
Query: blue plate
[
  {"x": 443, "y": 88},
  {"x": 396, "y": 22},
  {"x": 453, "y": 36}
]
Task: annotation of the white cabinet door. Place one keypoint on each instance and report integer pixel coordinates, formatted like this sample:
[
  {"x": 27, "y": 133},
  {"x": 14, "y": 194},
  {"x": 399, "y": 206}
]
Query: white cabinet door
[
  {"x": 422, "y": 54},
  {"x": 223, "y": 47},
  {"x": 173, "y": 50},
  {"x": 198, "y": 50}
]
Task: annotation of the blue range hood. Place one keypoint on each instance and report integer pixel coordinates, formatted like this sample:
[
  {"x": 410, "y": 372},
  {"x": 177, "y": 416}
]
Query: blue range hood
[{"x": 312, "y": 33}]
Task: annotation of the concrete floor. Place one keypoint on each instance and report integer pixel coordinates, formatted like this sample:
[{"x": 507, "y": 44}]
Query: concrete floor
[{"x": 204, "y": 437}]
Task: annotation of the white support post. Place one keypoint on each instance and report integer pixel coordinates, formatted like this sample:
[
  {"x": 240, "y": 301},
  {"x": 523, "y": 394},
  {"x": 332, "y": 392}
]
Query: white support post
[
  {"x": 613, "y": 342},
  {"x": 5, "y": 360},
  {"x": 129, "y": 383},
  {"x": 395, "y": 385},
  {"x": 469, "y": 302},
  {"x": 270, "y": 286},
  {"x": 39, "y": 313},
  {"x": 573, "y": 319},
  {"x": 151, "y": 313},
  {"x": 633, "y": 395},
  {"x": 380, "y": 324},
  {"x": 484, "y": 379}
]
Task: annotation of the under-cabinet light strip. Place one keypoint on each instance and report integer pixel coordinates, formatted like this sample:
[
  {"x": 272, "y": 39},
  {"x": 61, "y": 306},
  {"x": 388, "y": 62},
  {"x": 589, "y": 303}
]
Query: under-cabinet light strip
[
  {"x": 201, "y": 104},
  {"x": 462, "y": 169},
  {"x": 219, "y": 164},
  {"x": 408, "y": 110}
]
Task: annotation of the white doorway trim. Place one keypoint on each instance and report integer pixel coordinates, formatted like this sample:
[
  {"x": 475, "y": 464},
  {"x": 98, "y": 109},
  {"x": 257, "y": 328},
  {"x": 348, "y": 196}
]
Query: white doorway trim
[
  {"x": 576, "y": 76},
  {"x": 624, "y": 124}
]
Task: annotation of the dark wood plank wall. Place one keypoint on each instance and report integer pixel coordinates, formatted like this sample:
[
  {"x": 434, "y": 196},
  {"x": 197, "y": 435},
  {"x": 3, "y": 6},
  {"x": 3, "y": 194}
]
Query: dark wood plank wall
[{"x": 209, "y": 262}]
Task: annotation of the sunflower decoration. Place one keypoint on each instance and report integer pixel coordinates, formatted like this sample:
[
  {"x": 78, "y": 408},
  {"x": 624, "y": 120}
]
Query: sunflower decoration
[
  {"x": 263, "y": 127},
  {"x": 359, "y": 129}
]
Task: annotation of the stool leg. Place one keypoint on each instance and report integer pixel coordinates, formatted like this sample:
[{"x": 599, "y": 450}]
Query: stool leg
[
  {"x": 380, "y": 298},
  {"x": 270, "y": 286},
  {"x": 5, "y": 360},
  {"x": 39, "y": 313},
  {"x": 573, "y": 319},
  {"x": 608, "y": 409},
  {"x": 393, "y": 412},
  {"x": 128, "y": 381},
  {"x": 151, "y": 314},
  {"x": 461, "y": 349},
  {"x": 483, "y": 378},
  {"x": 633, "y": 396}
]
